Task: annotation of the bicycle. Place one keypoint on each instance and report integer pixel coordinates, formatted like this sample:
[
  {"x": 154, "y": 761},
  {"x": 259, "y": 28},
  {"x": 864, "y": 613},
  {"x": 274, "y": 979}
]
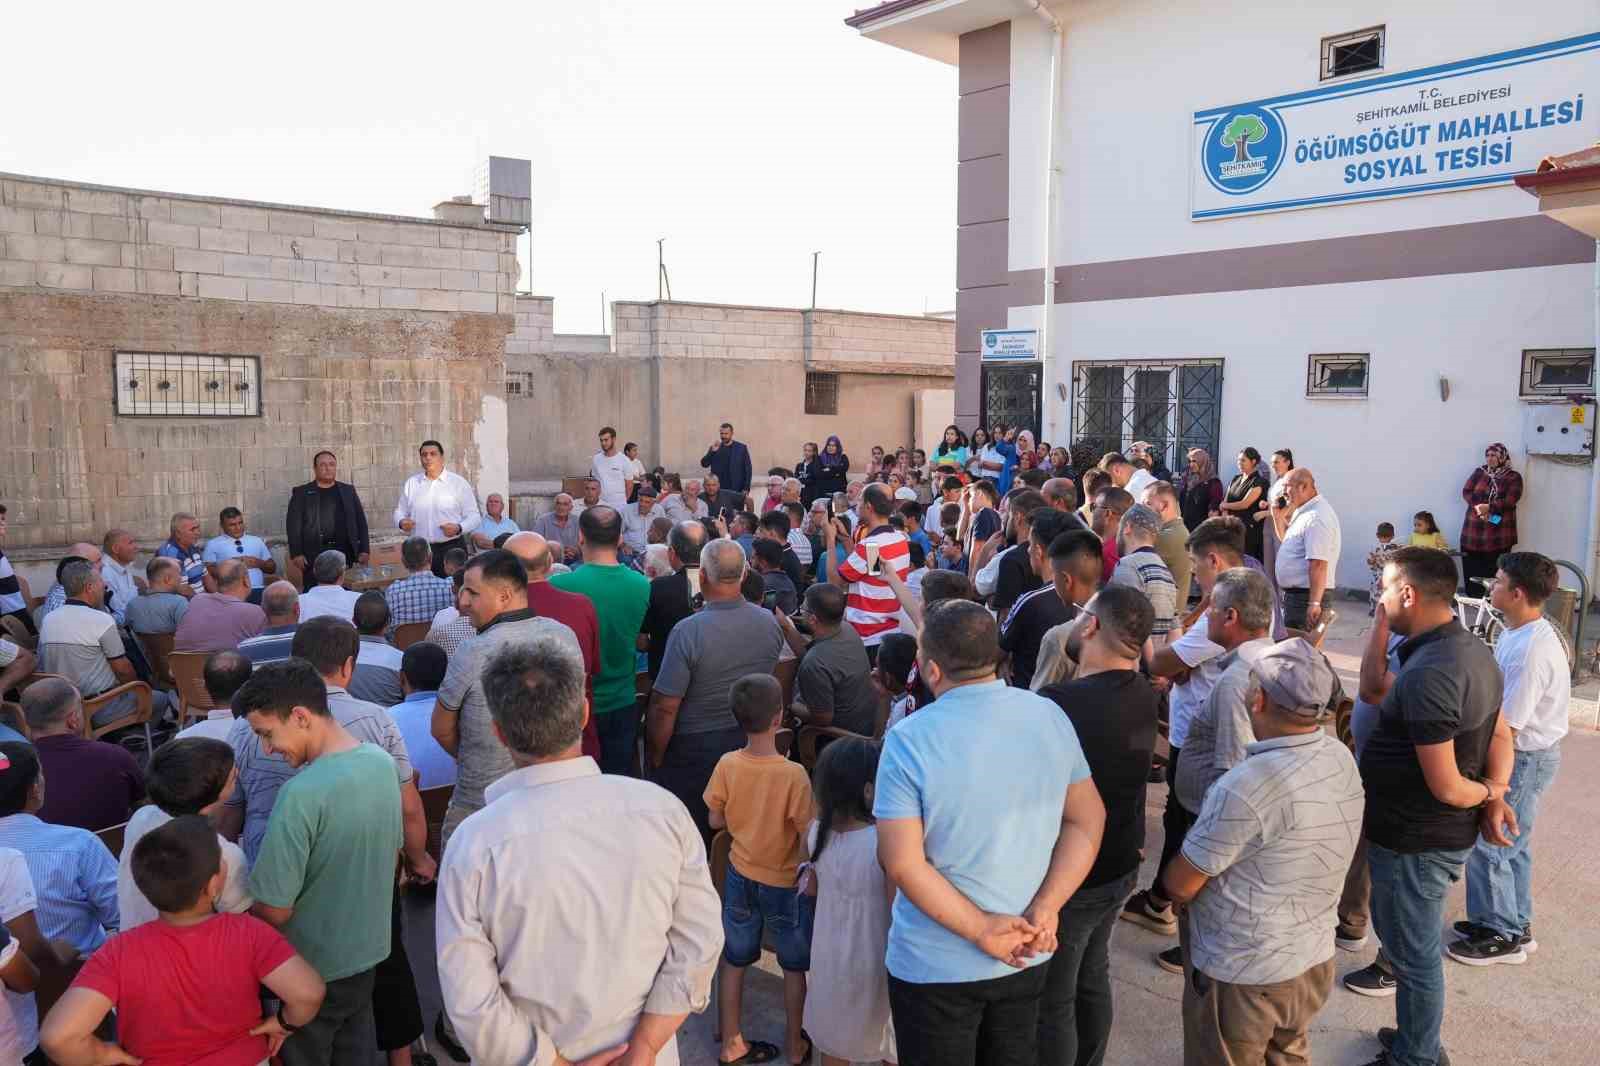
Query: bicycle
[{"x": 1481, "y": 618}]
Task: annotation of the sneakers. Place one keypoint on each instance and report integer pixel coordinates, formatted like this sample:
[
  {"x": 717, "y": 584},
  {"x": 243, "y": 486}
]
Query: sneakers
[
  {"x": 1473, "y": 931},
  {"x": 1142, "y": 910},
  {"x": 1348, "y": 939},
  {"x": 1171, "y": 960},
  {"x": 1386, "y": 1038},
  {"x": 1371, "y": 981},
  {"x": 1488, "y": 948}
]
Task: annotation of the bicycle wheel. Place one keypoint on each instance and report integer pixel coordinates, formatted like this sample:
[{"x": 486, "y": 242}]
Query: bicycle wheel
[{"x": 1492, "y": 628}]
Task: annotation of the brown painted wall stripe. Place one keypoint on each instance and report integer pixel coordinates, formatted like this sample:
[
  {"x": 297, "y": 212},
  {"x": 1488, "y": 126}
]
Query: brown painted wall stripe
[{"x": 1466, "y": 248}]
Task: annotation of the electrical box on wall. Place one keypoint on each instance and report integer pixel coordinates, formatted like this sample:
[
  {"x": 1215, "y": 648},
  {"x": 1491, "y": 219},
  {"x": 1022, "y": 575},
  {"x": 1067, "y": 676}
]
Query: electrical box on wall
[{"x": 1558, "y": 429}]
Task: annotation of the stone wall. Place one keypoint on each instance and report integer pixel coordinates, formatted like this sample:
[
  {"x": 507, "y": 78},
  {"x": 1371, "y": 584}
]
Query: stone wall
[
  {"x": 373, "y": 333},
  {"x": 676, "y": 370}
]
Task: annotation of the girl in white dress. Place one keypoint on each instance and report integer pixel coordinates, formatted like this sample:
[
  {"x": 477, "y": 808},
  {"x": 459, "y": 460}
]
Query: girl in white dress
[{"x": 847, "y": 1002}]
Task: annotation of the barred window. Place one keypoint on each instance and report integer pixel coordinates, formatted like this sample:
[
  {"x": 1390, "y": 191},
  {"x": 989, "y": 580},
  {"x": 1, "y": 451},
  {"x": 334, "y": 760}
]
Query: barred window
[
  {"x": 1557, "y": 372},
  {"x": 1344, "y": 374},
  {"x": 822, "y": 393},
  {"x": 519, "y": 383},
  {"x": 1352, "y": 53},
  {"x": 180, "y": 385}
]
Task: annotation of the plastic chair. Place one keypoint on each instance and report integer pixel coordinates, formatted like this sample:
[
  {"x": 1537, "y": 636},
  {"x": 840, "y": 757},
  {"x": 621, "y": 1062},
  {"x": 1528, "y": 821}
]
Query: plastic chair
[
  {"x": 12, "y": 629},
  {"x": 806, "y": 742},
  {"x": 188, "y": 677},
  {"x": 158, "y": 649},
  {"x": 144, "y": 698},
  {"x": 435, "y": 801},
  {"x": 112, "y": 836},
  {"x": 410, "y": 633}
]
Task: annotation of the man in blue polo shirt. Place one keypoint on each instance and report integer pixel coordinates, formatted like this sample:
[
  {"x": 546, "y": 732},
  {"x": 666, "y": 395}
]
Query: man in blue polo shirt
[
  {"x": 183, "y": 544},
  {"x": 987, "y": 817}
]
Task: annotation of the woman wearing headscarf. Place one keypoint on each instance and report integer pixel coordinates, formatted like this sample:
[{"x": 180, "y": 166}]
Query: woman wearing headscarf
[
  {"x": 1244, "y": 493},
  {"x": 833, "y": 469},
  {"x": 1490, "y": 526},
  {"x": 1201, "y": 493},
  {"x": 806, "y": 471}
]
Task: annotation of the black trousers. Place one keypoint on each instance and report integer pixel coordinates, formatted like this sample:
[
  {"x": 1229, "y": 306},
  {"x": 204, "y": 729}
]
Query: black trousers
[
  {"x": 1075, "y": 1008},
  {"x": 1296, "y": 602},
  {"x": 973, "y": 1023},
  {"x": 396, "y": 1011},
  {"x": 1478, "y": 564},
  {"x": 1175, "y": 821},
  {"x": 441, "y": 548},
  {"x": 339, "y": 1033},
  {"x": 685, "y": 769}
]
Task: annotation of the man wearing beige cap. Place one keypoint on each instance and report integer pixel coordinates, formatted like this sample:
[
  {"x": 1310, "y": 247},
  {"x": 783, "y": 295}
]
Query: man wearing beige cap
[{"x": 1262, "y": 869}]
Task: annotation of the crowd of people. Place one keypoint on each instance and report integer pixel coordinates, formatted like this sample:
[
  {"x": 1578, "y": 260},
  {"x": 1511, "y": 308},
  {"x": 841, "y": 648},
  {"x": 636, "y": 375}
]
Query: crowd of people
[{"x": 806, "y": 685}]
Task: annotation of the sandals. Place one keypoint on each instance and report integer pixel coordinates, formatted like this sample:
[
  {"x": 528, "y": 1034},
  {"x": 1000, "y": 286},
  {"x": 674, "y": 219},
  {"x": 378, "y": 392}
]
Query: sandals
[{"x": 756, "y": 1052}]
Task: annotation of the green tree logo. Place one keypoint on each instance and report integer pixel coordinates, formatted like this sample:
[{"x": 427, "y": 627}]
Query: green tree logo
[{"x": 1241, "y": 133}]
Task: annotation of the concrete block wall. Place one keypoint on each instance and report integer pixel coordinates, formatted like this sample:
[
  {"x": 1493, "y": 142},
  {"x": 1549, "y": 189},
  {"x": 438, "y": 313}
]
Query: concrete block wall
[
  {"x": 673, "y": 371},
  {"x": 61, "y": 236},
  {"x": 367, "y": 384}
]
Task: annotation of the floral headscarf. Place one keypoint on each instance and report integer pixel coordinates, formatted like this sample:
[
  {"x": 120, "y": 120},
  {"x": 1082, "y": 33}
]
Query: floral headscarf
[{"x": 1495, "y": 473}]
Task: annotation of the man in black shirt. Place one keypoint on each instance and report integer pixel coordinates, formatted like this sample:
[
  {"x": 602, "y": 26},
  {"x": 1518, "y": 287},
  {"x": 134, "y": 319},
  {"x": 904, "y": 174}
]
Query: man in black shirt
[
  {"x": 1015, "y": 574},
  {"x": 1036, "y": 612},
  {"x": 1436, "y": 770},
  {"x": 1113, "y": 709},
  {"x": 671, "y": 595},
  {"x": 774, "y": 526},
  {"x": 326, "y": 513}
]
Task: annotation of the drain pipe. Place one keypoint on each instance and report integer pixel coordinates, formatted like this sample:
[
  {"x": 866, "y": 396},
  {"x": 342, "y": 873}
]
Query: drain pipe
[
  {"x": 1047, "y": 385},
  {"x": 1592, "y": 547}
]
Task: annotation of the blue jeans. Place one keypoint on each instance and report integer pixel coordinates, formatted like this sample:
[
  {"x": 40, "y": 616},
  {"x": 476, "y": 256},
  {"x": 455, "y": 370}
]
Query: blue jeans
[
  {"x": 750, "y": 907},
  {"x": 618, "y": 732},
  {"x": 1408, "y": 892},
  {"x": 1075, "y": 1006},
  {"x": 1499, "y": 880}
]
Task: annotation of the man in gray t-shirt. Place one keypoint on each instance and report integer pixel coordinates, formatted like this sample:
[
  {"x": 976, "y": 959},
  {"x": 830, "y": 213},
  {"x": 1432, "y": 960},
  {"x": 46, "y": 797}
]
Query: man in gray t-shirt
[
  {"x": 690, "y": 723},
  {"x": 1262, "y": 870},
  {"x": 834, "y": 680}
]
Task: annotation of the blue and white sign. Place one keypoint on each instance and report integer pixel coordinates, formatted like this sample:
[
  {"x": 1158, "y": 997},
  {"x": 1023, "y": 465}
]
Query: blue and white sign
[
  {"x": 1010, "y": 345},
  {"x": 1457, "y": 126}
]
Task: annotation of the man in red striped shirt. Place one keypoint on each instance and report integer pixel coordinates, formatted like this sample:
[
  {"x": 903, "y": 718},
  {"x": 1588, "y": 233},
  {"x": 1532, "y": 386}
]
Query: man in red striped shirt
[{"x": 870, "y": 604}]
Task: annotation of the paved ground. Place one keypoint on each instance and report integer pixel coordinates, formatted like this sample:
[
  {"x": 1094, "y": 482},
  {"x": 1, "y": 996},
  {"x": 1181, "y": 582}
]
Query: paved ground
[{"x": 1547, "y": 1011}]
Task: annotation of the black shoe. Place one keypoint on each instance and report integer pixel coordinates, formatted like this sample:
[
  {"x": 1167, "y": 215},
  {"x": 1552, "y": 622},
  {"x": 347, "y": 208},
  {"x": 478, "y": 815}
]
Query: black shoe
[
  {"x": 447, "y": 1040},
  {"x": 1488, "y": 949},
  {"x": 1472, "y": 930},
  {"x": 1371, "y": 981},
  {"x": 1142, "y": 910},
  {"x": 1386, "y": 1038},
  {"x": 1171, "y": 960}
]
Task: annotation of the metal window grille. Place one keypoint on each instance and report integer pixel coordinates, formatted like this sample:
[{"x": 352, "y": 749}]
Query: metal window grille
[
  {"x": 1557, "y": 372},
  {"x": 822, "y": 393},
  {"x": 519, "y": 383},
  {"x": 1344, "y": 374},
  {"x": 1011, "y": 395},
  {"x": 1352, "y": 53},
  {"x": 170, "y": 385},
  {"x": 1174, "y": 405}
]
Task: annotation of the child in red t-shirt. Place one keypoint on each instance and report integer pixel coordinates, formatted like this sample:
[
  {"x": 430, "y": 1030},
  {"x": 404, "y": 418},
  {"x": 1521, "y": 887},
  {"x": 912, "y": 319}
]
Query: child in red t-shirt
[{"x": 187, "y": 987}]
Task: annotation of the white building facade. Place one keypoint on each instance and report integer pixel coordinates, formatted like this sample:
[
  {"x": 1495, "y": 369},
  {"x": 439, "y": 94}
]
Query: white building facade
[{"x": 1282, "y": 226}]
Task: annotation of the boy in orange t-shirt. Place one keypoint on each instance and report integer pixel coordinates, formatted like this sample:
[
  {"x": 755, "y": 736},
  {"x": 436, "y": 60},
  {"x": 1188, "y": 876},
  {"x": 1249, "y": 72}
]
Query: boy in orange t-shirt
[{"x": 764, "y": 801}]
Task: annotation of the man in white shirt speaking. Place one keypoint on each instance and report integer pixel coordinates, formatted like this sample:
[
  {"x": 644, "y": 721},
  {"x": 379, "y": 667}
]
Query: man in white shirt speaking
[
  {"x": 613, "y": 470},
  {"x": 438, "y": 505},
  {"x": 520, "y": 971},
  {"x": 1538, "y": 688}
]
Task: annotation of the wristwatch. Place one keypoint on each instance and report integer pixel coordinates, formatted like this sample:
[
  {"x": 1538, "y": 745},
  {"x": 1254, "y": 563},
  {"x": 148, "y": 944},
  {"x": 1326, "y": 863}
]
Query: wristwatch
[{"x": 284, "y": 1022}]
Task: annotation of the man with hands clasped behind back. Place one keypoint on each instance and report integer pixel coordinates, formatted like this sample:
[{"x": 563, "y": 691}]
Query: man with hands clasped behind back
[{"x": 986, "y": 787}]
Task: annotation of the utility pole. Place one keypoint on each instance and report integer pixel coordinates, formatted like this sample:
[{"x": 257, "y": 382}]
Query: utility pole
[
  {"x": 814, "y": 257},
  {"x": 602, "y": 310},
  {"x": 662, "y": 277}
]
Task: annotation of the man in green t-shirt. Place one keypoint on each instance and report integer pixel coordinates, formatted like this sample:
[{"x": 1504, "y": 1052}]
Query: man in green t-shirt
[
  {"x": 325, "y": 872},
  {"x": 620, "y": 596}
]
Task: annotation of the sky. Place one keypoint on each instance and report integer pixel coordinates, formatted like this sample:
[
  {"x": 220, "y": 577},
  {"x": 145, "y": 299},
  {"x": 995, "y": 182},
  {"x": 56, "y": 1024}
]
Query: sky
[{"x": 747, "y": 134}]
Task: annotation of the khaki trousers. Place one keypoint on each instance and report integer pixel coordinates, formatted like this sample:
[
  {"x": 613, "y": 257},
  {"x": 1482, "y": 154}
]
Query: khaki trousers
[{"x": 1250, "y": 1025}]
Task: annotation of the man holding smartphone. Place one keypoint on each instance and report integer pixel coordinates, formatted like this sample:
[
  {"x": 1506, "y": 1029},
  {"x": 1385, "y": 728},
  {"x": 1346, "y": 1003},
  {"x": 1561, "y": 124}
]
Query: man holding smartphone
[{"x": 871, "y": 605}]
